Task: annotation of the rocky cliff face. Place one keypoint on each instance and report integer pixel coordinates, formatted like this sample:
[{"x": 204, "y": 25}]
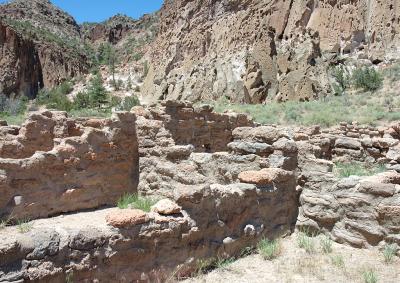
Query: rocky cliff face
[
  {"x": 40, "y": 47},
  {"x": 116, "y": 28},
  {"x": 20, "y": 65},
  {"x": 253, "y": 51}
]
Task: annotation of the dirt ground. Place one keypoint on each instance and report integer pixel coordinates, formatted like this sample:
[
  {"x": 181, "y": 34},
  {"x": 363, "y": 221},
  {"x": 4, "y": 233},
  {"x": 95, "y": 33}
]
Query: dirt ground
[{"x": 344, "y": 264}]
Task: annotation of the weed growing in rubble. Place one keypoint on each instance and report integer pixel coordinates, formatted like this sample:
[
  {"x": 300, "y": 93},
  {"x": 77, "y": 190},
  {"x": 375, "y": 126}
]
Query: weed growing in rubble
[
  {"x": 305, "y": 241},
  {"x": 370, "y": 276},
  {"x": 24, "y": 226},
  {"x": 206, "y": 265},
  {"x": 337, "y": 260},
  {"x": 3, "y": 224},
  {"x": 326, "y": 244},
  {"x": 389, "y": 252},
  {"x": 136, "y": 201},
  {"x": 344, "y": 170},
  {"x": 269, "y": 249}
]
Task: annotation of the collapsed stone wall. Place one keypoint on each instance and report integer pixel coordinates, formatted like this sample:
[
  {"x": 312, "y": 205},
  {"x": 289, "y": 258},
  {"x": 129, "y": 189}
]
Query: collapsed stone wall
[
  {"x": 359, "y": 211},
  {"x": 182, "y": 146},
  {"x": 351, "y": 142},
  {"x": 213, "y": 203},
  {"x": 198, "y": 126},
  {"x": 53, "y": 164},
  {"x": 201, "y": 223}
]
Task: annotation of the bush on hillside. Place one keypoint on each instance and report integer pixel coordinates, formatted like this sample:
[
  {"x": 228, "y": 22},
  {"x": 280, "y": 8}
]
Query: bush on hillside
[
  {"x": 127, "y": 103},
  {"x": 56, "y": 98},
  {"x": 12, "y": 106},
  {"x": 342, "y": 80},
  {"x": 367, "y": 79},
  {"x": 81, "y": 101}
]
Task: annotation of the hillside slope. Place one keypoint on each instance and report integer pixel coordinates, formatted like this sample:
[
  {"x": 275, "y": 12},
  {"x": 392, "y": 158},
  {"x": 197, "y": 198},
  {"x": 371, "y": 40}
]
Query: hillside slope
[{"x": 42, "y": 46}]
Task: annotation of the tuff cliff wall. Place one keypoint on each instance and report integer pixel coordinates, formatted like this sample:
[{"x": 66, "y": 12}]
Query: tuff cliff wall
[
  {"x": 40, "y": 47},
  {"x": 258, "y": 50},
  {"x": 20, "y": 64},
  {"x": 53, "y": 164}
]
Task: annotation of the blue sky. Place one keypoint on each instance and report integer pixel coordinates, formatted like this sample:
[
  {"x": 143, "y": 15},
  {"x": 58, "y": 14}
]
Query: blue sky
[{"x": 99, "y": 10}]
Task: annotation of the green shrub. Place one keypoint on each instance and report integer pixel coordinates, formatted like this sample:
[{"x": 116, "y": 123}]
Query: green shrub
[
  {"x": 81, "y": 101},
  {"x": 127, "y": 103},
  {"x": 367, "y": 79},
  {"x": 268, "y": 249},
  {"x": 342, "y": 79},
  {"x": 137, "y": 56},
  {"x": 98, "y": 95},
  {"x": 12, "y": 106},
  {"x": 55, "y": 98},
  {"x": 136, "y": 201}
]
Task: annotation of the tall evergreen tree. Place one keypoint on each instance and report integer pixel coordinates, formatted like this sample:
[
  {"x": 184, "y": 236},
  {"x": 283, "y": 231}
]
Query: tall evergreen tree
[{"x": 96, "y": 91}]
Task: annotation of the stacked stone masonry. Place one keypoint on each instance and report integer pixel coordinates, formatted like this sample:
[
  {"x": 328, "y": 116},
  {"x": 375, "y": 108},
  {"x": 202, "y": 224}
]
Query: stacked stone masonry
[
  {"x": 53, "y": 164},
  {"x": 223, "y": 183}
]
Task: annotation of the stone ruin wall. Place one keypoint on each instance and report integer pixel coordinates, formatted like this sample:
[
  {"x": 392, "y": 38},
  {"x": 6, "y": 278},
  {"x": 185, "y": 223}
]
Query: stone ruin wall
[
  {"x": 247, "y": 183},
  {"x": 53, "y": 164},
  {"x": 359, "y": 211}
]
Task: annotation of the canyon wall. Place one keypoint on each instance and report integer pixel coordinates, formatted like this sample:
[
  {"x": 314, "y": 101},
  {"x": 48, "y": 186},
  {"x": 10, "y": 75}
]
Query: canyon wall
[
  {"x": 262, "y": 50},
  {"x": 40, "y": 47},
  {"x": 20, "y": 64}
]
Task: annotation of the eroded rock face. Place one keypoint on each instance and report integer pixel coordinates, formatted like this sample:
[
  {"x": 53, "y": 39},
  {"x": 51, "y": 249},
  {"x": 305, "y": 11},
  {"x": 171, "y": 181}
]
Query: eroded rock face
[
  {"x": 29, "y": 59},
  {"x": 20, "y": 70},
  {"x": 257, "y": 51},
  {"x": 54, "y": 164}
]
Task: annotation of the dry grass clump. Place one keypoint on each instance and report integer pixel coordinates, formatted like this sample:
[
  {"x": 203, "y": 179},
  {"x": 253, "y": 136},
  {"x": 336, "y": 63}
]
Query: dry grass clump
[
  {"x": 337, "y": 260},
  {"x": 326, "y": 244},
  {"x": 389, "y": 252},
  {"x": 206, "y": 265},
  {"x": 305, "y": 241},
  {"x": 370, "y": 276},
  {"x": 24, "y": 226}
]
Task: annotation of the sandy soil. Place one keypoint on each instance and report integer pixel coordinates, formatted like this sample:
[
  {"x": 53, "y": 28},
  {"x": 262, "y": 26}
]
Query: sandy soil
[{"x": 296, "y": 265}]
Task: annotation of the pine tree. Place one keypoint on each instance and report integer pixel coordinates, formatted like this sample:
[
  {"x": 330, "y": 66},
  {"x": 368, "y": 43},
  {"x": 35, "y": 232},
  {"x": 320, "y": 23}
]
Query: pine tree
[{"x": 96, "y": 91}]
